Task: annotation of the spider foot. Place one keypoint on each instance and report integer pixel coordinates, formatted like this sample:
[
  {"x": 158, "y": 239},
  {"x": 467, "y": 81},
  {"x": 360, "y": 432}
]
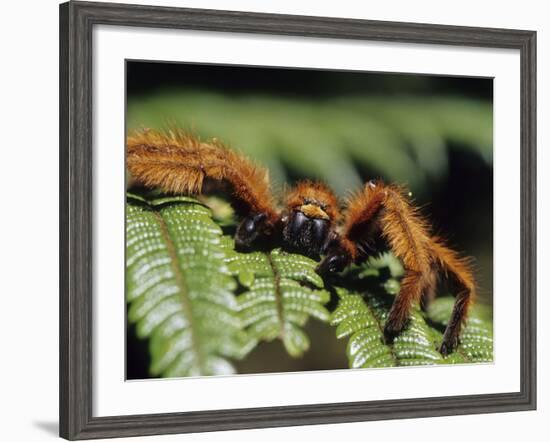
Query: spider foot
[
  {"x": 249, "y": 230},
  {"x": 392, "y": 329},
  {"x": 449, "y": 344},
  {"x": 332, "y": 264}
]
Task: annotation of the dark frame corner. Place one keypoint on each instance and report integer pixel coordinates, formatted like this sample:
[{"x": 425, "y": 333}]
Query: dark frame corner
[{"x": 76, "y": 22}]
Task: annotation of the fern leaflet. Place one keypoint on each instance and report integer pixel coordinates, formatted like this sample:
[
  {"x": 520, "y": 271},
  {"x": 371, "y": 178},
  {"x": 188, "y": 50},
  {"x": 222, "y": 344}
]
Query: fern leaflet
[
  {"x": 179, "y": 289},
  {"x": 282, "y": 292}
]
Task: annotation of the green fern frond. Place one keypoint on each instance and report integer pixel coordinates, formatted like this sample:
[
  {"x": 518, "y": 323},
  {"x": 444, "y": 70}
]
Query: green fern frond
[
  {"x": 361, "y": 314},
  {"x": 179, "y": 288},
  {"x": 282, "y": 292}
]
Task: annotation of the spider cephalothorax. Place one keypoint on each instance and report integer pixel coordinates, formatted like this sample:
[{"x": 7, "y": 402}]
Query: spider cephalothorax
[
  {"x": 310, "y": 222},
  {"x": 304, "y": 225}
]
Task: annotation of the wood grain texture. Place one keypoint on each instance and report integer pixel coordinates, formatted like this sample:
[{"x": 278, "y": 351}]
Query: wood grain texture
[{"x": 76, "y": 242}]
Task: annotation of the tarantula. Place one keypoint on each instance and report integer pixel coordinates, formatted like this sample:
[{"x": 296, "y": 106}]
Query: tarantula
[{"x": 310, "y": 221}]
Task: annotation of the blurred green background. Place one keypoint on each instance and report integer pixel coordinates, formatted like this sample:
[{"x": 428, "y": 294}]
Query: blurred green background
[{"x": 432, "y": 133}]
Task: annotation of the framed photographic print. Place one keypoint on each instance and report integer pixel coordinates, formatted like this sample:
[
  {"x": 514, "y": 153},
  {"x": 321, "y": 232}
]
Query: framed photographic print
[{"x": 271, "y": 220}]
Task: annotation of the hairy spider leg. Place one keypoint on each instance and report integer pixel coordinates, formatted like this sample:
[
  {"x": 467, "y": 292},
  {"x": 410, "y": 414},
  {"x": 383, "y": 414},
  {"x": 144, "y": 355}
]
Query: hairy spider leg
[
  {"x": 385, "y": 210},
  {"x": 180, "y": 163},
  {"x": 458, "y": 270}
]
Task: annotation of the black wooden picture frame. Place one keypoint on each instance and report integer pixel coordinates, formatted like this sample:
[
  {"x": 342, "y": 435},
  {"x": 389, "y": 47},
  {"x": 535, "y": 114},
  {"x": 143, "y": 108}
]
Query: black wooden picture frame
[{"x": 77, "y": 20}]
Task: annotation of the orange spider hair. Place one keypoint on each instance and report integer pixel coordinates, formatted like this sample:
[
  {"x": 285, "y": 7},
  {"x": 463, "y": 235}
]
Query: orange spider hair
[
  {"x": 180, "y": 163},
  {"x": 313, "y": 198}
]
